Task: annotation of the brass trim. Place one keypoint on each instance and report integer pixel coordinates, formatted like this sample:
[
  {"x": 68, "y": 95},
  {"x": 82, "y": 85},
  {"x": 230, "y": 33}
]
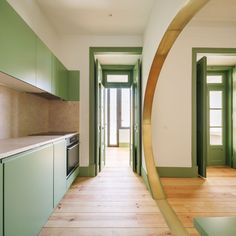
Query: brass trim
[{"x": 176, "y": 26}]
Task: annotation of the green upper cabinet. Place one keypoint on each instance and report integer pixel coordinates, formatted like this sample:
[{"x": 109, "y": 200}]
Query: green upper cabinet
[
  {"x": 28, "y": 191},
  {"x": 43, "y": 66},
  {"x": 60, "y": 79},
  {"x": 25, "y": 57},
  {"x": 74, "y": 86},
  {"x": 17, "y": 45},
  {"x": 1, "y": 200}
]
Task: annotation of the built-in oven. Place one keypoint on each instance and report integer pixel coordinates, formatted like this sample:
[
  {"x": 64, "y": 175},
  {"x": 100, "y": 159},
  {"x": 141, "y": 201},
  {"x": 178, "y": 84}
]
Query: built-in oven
[{"x": 72, "y": 161}]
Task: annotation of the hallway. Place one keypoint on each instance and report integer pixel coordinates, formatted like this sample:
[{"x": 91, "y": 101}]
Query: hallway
[{"x": 115, "y": 203}]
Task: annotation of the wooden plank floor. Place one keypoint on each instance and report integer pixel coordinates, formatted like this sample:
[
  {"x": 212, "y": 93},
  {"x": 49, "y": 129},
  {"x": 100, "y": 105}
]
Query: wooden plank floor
[
  {"x": 191, "y": 197},
  {"x": 115, "y": 203}
]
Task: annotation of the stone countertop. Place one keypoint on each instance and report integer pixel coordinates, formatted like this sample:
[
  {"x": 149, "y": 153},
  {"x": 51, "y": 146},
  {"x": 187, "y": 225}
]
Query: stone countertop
[{"x": 12, "y": 146}]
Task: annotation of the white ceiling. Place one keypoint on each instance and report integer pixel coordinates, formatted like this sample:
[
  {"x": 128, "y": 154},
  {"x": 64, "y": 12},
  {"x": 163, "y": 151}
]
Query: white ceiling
[
  {"x": 117, "y": 59},
  {"x": 97, "y": 17},
  {"x": 216, "y": 13}
]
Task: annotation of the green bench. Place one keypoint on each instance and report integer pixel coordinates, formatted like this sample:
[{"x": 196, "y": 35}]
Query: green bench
[{"x": 215, "y": 226}]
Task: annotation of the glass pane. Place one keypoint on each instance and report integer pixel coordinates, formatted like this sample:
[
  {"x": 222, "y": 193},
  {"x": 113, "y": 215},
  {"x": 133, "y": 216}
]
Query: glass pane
[
  {"x": 215, "y": 99},
  {"x": 215, "y": 118},
  {"x": 113, "y": 117},
  {"x": 125, "y": 108},
  {"x": 214, "y": 79},
  {"x": 117, "y": 78},
  {"x": 215, "y": 136},
  {"x": 106, "y": 116}
]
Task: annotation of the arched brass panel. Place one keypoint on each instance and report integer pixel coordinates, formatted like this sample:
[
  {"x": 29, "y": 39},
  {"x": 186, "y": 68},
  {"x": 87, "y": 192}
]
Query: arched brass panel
[{"x": 176, "y": 26}]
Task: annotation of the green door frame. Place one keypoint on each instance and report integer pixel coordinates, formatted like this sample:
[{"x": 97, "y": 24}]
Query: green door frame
[
  {"x": 93, "y": 51},
  {"x": 227, "y": 69}
]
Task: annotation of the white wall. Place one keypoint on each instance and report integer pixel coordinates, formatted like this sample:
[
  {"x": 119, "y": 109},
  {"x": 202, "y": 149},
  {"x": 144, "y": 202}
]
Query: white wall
[
  {"x": 172, "y": 109},
  {"x": 162, "y": 14}
]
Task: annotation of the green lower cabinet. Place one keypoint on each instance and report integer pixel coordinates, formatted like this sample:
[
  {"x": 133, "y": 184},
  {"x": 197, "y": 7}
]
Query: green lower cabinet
[
  {"x": 1, "y": 200},
  {"x": 17, "y": 45},
  {"x": 28, "y": 191},
  {"x": 59, "y": 171},
  {"x": 74, "y": 86}
]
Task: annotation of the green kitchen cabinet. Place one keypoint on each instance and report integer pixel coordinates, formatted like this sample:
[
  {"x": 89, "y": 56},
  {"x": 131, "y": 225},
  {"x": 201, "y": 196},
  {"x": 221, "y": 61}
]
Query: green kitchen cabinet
[
  {"x": 43, "y": 66},
  {"x": 62, "y": 82},
  {"x": 74, "y": 86},
  {"x": 59, "y": 171},
  {"x": 60, "y": 79},
  {"x": 17, "y": 45},
  {"x": 28, "y": 191},
  {"x": 1, "y": 200}
]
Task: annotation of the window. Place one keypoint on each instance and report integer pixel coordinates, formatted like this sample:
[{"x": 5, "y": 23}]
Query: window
[
  {"x": 215, "y": 117},
  {"x": 117, "y": 78},
  {"x": 125, "y": 108},
  {"x": 214, "y": 79}
]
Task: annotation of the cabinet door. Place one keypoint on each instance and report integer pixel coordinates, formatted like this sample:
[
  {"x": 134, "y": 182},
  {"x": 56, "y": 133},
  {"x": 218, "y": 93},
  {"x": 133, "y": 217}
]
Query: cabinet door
[
  {"x": 17, "y": 45},
  {"x": 59, "y": 171},
  {"x": 28, "y": 191},
  {"x": 1, "y": 200},
  {"x": 74, "y": 86},
  {"x": 44, "y": 67},
  {"x": 60, "y": 79}
]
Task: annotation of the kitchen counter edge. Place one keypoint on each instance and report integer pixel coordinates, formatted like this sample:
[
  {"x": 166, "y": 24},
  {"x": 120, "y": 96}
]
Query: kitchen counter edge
[{"x": 13, "y": 146}]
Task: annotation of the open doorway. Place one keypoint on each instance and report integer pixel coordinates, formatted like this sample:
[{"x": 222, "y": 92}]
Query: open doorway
[
  {"x": 118, "y": 116},
  {"x": 117, "y": 110},
  {"x": 118, "y": 126},
  {"x": 215, "y": 108}
]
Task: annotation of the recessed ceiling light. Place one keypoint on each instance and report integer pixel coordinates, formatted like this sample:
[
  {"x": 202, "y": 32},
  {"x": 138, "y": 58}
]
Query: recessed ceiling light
[{"x": 110, "y": 15}]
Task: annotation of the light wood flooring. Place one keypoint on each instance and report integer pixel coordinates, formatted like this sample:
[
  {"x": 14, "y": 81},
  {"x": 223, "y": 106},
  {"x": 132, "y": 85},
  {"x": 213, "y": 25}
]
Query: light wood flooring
[
  {"x": 192, "y": 197},
  {"x": 116, "y": 202}
]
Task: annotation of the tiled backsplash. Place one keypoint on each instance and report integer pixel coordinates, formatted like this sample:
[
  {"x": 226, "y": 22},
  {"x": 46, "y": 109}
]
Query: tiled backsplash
[
  {"x": 63, "y": 116},
  {"x": 22, "y": 114}
]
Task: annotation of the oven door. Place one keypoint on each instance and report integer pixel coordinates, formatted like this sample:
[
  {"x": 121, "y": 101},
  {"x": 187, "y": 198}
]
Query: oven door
[{"x": 72, "y": 157}]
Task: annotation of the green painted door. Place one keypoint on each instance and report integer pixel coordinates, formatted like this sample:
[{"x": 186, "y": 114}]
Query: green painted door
[
  {"x": 59, "y": 185},
  {"x": 43, "y": 67},
  {"x": 201, "y": 117},
  {"x": 28, "y": 191},
  {"x": 216, "y": 118},
  {"x": 100, "y": 129},
  {"x": 17, "y": 45},
  {"x": 234, "y": 116},
  {"x": 1, "y": 200},
  {"x": 136, "y": 130}
]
